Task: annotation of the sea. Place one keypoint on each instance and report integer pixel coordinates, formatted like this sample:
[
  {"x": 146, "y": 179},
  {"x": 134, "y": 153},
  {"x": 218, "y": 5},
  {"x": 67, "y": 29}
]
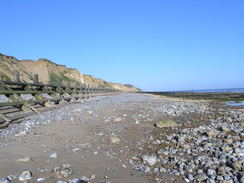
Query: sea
[
  {"x": 218, "y": 90},
  {"x": 229, "y": 90}
]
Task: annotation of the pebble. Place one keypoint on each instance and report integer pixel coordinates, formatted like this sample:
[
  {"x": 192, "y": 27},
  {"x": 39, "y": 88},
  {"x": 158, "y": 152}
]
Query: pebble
[
  {"x": 165, "y": 123},
  {"x": 237, "y": 165},
  {"x": 40, "y": 179},
  {"x": 150, "y": 160},
  {"x": 201, "y": 177},
  {"x": 24, "y": 176},
  {"x": 5, "y": 180},
  {"x": 26, "y": 159},
  {"x": 189, "y": 177},
  {"x": 211, "y": 172},
  {"x": 118, "y": 119},
  {"x": 114, "y": 140},
  {"x": 225, "y": 129},
  {"x": 77, "y": 181},
  {"x": 76, "y": 149},
  {"x": 66, "y": 172},
  {"x": 61, "y": 181},
  {"x": 53, "y": 156},
  {"x": 212, "y": 133}
]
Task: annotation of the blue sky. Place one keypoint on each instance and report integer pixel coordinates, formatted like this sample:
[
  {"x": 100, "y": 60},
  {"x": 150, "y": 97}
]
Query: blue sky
[{"x": 153, "y": 44}]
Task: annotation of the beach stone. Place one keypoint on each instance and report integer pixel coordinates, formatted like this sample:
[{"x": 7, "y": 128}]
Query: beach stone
[
  {"x": 229, "y": 141},
  {"x": 200, "y": 171},
  {"x": 76, "y": 149},
  {"x": 147, "y": 169},
  {"x": 227, "y": 181},
  {"x": 211, "y": 172},
  {"x": 226, "y": 148},
  {"x": 118, "y": 119},
  {"x": 163, "y": 170},
  {"x": 189, "y": 176},
  {"x": 61, "y": 181},
  {"x": 5, "y": 180},
  {"x": 210, "y": 181},
  {"x": 201, "y": 177},
  {"x": 66, "y": 165},
  {"x": 40, "y": 179},
  {"x": 236, "y": 144},
  {"x": 221, "y": 170},
  {"x": 242, "y": 179},
  {"x": 186, "y": 180},
  {"x": 236, "y": 138},
  {"x": 185, "y": 146},
  {"x": 77, "y": 181},
  {"x": 66, "y": 172},
  {"x": 114, "y": 140},
  {"x": 237, "y": 165},
  {"x": 26, "y": 159},
  {"x": 150, "y": 160},
  {"x": 220, "y": 178},
  {"x": 57, "y": 172},
  {"x": 225, "y": 129},
  {"x": 165, "y": 123},
  {"x": 212, "y": 133},
  {"x": 12, "y": 177},
  {"x": 241, "y": 116},
  {"x": 227, "y": 177},
  {"x": 24, "y": 176},
  {"x": 53, "y": 156},
  {"x": 48, "y": 104}
]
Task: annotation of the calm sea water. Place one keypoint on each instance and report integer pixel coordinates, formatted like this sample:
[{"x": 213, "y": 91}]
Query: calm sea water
[
  {"x": 219, "y": 90},
  {"x": 231, "y": 103},
  {"x": 229, "y": 90}
]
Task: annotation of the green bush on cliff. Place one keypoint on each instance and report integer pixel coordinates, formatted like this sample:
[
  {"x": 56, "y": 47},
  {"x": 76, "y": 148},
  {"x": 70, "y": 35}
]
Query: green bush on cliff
[{"x": 60, "y": 79}]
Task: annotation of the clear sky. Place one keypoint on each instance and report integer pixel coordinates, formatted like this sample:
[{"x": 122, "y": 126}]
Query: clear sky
[{"x": 152, "y": 44}]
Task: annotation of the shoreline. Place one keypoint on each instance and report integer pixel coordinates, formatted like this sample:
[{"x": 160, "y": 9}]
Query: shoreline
[{"x": 211, "y": 96}]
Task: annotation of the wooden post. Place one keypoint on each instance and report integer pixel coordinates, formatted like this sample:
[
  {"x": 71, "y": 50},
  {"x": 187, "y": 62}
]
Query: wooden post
[
  {"x": 76, "y": 85},
  {"x": 50, "y": 81},
  {"x": 36, "y": 79},
  {"x": 17, "y": 76}
]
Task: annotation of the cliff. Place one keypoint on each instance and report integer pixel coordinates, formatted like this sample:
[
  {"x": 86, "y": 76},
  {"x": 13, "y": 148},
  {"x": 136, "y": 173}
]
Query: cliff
[{"x": 49, "y": 71}]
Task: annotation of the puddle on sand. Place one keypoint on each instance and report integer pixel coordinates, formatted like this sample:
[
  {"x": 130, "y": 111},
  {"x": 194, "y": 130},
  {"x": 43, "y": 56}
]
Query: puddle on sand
[{"x": 235, "y": 103}]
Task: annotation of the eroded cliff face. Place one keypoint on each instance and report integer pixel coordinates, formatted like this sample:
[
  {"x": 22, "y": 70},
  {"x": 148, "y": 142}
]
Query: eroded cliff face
[
  {"x": 10, "y": 64},
  {"x": 101, "y": 83},
  {"x": 49, "y": 71}
]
